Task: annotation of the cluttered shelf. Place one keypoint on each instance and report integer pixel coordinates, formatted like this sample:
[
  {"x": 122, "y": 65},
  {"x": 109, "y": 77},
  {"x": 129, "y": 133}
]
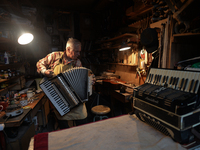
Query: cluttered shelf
[
  {"x": 6, "y": 41},
  {"x": 8, "y": 87},
  {"x": 10, "y": 79},
  {"x": 13, "y": 65}
]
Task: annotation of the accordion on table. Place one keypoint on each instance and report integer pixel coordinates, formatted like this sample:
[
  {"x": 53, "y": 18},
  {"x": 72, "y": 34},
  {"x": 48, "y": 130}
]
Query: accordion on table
[
  {"x": 68, "y": 89},
  {"x": 169, "y": 100}
]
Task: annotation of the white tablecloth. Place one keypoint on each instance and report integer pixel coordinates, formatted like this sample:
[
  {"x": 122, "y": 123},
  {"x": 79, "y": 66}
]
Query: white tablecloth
[{"x": 119, "y": 133}]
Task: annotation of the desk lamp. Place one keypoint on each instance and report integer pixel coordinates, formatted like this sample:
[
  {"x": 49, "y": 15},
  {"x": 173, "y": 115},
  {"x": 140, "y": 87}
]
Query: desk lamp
[{"x": 25, "y": 38}]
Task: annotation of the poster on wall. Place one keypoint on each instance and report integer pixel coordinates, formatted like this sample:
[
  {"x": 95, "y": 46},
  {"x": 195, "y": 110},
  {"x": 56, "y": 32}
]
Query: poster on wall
[
  {"x": 64, "y": 21},
  {"x": 55, "y": 40}
]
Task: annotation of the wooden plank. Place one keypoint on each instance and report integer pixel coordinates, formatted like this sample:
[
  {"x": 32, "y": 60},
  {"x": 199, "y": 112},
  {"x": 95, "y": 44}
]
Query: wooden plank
[
  {"x": 8, "y": 87},
  {"x": 141, "y": 12},
  {"x": 122, "y": 36},
  {"x": 186, "y": 34},
  {"x": 158, "y": 23}
]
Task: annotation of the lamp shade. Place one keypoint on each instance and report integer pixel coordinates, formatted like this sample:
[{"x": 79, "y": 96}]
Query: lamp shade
[
  {"x": 25, "y": 38},
  {"x": 124, "y": 47}
]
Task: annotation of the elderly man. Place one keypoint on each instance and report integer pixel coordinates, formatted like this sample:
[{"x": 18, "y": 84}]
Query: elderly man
[{"x": 57, "y": 62}]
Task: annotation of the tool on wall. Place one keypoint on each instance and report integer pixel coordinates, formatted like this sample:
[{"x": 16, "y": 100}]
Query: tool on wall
[{"x": 184, "y": 11}]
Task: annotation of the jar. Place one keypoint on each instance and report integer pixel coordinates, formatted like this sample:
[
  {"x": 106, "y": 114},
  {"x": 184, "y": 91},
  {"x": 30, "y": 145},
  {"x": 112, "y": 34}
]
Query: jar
[{"x": 6, "y": 74}]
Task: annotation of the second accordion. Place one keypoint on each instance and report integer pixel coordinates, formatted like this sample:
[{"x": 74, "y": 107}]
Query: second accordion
[{"x": 68, "y": 89}]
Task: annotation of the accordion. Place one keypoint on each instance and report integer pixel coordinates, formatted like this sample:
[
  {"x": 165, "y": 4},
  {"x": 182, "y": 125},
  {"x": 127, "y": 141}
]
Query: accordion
[
  {"x": 68, "y": 89},
  {"x": 169, "y": 101}
]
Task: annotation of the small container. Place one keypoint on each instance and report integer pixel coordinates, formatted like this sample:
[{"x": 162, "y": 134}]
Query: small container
[
  {"x": 23, "y": 102},
  {"x": 6, "y": 74},
  {"x": 4, "y": 104}
]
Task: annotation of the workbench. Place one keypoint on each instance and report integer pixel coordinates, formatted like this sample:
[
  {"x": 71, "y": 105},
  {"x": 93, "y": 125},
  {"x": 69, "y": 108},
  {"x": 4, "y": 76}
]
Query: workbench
[
  {"x": 111, "y": 89},
  {"x": 23, "y": 124}
]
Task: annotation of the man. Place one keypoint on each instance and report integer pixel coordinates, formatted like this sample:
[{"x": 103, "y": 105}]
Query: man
[{"x": 57, "y": 62}]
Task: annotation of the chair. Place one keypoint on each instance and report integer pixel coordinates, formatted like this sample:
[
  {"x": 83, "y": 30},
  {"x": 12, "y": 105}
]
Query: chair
[{"x": 100, "y": 111}]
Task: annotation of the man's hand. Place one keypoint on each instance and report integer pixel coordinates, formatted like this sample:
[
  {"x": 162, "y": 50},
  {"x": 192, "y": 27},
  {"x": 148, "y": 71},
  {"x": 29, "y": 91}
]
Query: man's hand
[{"x": 49, "y": 73}]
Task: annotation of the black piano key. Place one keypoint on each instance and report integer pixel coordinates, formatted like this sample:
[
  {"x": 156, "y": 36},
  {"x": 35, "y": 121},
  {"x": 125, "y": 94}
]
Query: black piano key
[
  {"x": 191, "y": 85},
  {"x": 170, "y": 81},
  {"x": 176, "y": 82},
  {"x": 181, "y": 84},
  {"x": 148, "y": 78},
  {"x": 160, "y": 76},
  {"x": 166, "y": 79},
  {"x": 155, "y": 79},
  {"x": 185, "y": 84},
  {"x": 163, "y": 79},
  {"x": 151, "y": 78},
  {"x": 195, "y": 86}
]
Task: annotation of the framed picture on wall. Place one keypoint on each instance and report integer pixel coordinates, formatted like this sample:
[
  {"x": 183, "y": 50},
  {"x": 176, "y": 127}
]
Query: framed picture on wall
[
  {"x": 64, "y": 21},
  {"x": 55, "y": 39},
  {"x": 49, "y": 29}
]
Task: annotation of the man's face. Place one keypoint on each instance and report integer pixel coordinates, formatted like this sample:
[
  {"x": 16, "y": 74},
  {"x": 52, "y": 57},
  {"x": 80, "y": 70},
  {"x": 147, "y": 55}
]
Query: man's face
[{"x": 73, "y": 52}]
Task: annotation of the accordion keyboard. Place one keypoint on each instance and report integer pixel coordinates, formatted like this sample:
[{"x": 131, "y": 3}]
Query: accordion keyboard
[
  {"x": 68, "y": 89},
  {"x": 176, "y": 79},
  {"x": 56, "y": 98}
]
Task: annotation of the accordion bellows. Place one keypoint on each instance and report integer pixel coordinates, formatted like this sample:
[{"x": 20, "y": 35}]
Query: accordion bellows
[{"x": 68, "y": 89}]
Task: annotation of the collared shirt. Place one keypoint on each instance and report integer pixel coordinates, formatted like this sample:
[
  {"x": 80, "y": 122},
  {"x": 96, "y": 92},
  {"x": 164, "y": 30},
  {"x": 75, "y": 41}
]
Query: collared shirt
[{"x": 52, "y": 59}]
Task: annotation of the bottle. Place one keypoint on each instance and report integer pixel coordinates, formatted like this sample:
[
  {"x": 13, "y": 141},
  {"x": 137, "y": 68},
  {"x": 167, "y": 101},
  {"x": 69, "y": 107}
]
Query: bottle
[
  {"x": 9, "y": 73},
  {"x": 6, "y": 59}
]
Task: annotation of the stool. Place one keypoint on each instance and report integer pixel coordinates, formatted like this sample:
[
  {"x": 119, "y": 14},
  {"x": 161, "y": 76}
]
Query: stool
[{"x": 100, "y": 111}]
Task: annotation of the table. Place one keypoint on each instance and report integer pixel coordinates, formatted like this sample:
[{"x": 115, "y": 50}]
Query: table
[
  {"x": 124, "y": 132},
  {"x": 122, "y": 97},
  {"x": 111, "y": 88}
]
